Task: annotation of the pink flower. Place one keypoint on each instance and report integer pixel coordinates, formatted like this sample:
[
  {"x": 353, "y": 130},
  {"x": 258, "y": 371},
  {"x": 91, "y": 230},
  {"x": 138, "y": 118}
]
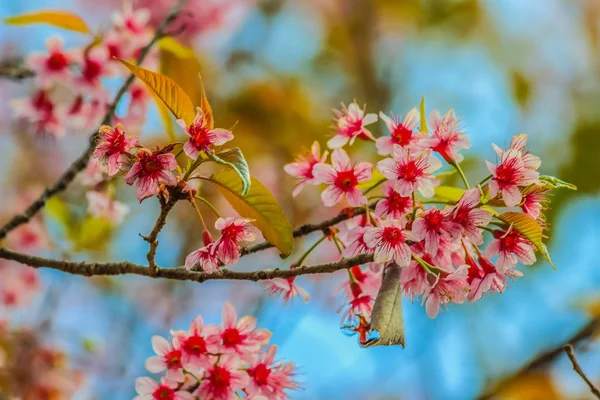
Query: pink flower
[
  {"x": 285, "y": 287},
  {"x": 148, "y": 389},
  {"x": 469, "y": 217},
  {"x": 113, "y": 145},
  {"x": 42, "y": 113},
  {"x": 132, "y": 21},
  {"x": 201, "y": 137},
  {"x": 102, "y": 206},
  {"x": 204, "y": 258},
  {"x": 94, "y": 65},
  {"x": 402, "y": 133},
  {"x": 356, "y": 242},
  {"x": 447, "y": 288},
  {"x": 303, "y": 167},
  {"x": 410, "y": 172},
  {"x": 534, "y": 201},
  {"x": 239, "y": 338},
  {"x": 518, "y": 143},
  {"x": 491, "y": 279},
  {"x": 29, "y": 238},
  {"x": 432, "y": 225},
  {"x": 447, "y": 140},
  {"x": 223, "y": 379},
  {"x": 342, "y": 178},
  {"x": 233, "y": 230},
  {"x": 195, "y": 346},
  {"x": 509, "y": 175},
  {"x": 511, "y": 247},
  {"x": 413, "y": 279},
  {"x": 94, "y": 173},
  {"x": 393, "y": 205},
  {"x": 350, "y": 124},
  {"x": 269, "y": 379},
  {"x": 389, "y": 241},
  {"x": 151, "y": 169},
  {"x": 168, "y": 358},
  {"x": 359, "y": 304},
  {"x": 52, "y": 67}
]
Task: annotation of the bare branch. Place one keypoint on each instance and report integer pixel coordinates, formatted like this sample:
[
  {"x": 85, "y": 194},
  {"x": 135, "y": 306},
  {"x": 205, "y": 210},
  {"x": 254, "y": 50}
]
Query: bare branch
[
  {"x": 79, "y": 165},
  {"x": 569, "y": 350},
  {"x": 180, "y": 273},
  {"x": 15, "y": 71},
  {"x": 165, "y": 207}
]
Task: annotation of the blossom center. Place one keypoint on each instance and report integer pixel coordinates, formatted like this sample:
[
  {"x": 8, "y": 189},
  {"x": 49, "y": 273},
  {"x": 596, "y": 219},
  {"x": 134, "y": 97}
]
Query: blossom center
[
  {"x": 346, "y": 180},
  {"x": 409, "y": 171},
  {"x": 434, "y": 219},
  {"x": 195, "y": 345},
  {"x": 392, "y": 236},
  {"x": 173, "y": 359},
  {"x": 231, "y": 337},
  {"x": 506, "y": 174},
  {"x": 91, "y": 70},
  {"x": 220, "y": 378},
  {"x": 163, "y": 393},
  {"x": 401, "y": 135},
  {"x": 199, "y": 136},
  {"x": 260, "y": 373},
  {"x": 57, "y": 62}
]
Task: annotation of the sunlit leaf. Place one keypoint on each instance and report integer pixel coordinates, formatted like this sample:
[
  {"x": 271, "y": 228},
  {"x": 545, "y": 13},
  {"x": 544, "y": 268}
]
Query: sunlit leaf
[
  {"x": 423, "y": 116},
  {"x": 92, "y": 234},
  {"x": 235, "y": 160},
  {"x": 551, "y": 182},
  {"x": 386, "y": 317},
  {"x": 529, "y": 228},
  {"x": 170, "y": 44},
  {"x": 448, "y": 193},
  {"x": 60, "y": 19},
  {"x": 174, "y": 97},
  {"x": 375, "y": 178},
  {"x": 260, "y": 205},
  {"x": 165, "y": 115},
  {"x": 205, "y": 106}
]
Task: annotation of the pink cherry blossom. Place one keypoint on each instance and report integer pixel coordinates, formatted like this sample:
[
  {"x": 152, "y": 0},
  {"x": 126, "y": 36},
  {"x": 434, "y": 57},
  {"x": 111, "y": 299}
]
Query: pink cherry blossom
[
  {"x": 389, "y": 241},
  {"x": 469, "y": 217},
  {"x": 151, "y": 169},
  {"x": 518, "y": 143},
  {"x": 411, "y": 172},
  {"x": 53, "y": 67},
  {"x": 413, "y": 279},
  {"x": 269, "y": 378},
  {"x": 204, "y": 258},
  {"x": 447, "y": 139},
  {"x": 432, "y": 225},
  {"x": 491, "y": 279},
  {"x": 94, "y": 65},
  {"x": 235, "y": 337},
  {"x": 149, "y": 389},
  {"x": 104, "y": 207},
  {"x": 233, "y": 230},
  {"x": 168, "y": 358},
  {"x": 285, "y": 287},
  {"x": 195, "y": 346},
  {"x": 132, "y": 21},
  {"x": 29, "y": 238},
  {"x": 359, "y": 304},
  {"x": 509, "y": 175},
  {"x": 302, "y": 168},
  {"x": 402, "y": 133},
  {"x": 222, "y": 380},
  {"x": 43, "y": 114},
  {"x": 113, "y": 147},
  {"x": 350, "y": 124},
  {"x": 534, "y": 201},
  {"x": 343, "y": 178},
  {"x": 201, "y": 136},
  {"x": 446, "y": 288},
  {"x": 94, "y": 173},
  {"x": 511, "y": 247},
  {"x": 393, "y": 205}
]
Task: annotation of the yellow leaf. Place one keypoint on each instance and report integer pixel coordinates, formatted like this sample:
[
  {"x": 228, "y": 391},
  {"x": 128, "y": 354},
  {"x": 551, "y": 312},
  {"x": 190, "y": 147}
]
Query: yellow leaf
[
  {"x": 168, "y": 43},
  {"x": 375, "y": 178},
  {"x": 260, "y": 205},
  {"x": 174, "y": 97},
  {"x": 533, "y": 385},
  {"x": 529, "y": 228},
  {"x": 59, "y": 19},
  {"x": 93, "y": 234},
  {"x": 448, "y": 193},
  {"x": 184, "y": 72},
  {"x": 423, "y": 116},
  {"x": 59, "y": 210}
]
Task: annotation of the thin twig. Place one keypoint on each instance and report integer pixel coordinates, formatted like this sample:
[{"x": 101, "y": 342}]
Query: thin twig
[
  {"x": 79, "y": 165},
  {"x": 544, "y": 359},
  {"x": 179, "y": 273},
  {"x": 165, "y": 207},
  {"x": 15, "y": 72},
  {"x": 569, "y": 350}
]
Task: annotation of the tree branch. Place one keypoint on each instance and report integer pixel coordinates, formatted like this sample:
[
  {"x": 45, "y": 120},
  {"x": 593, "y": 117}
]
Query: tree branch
[
  {"x": 15, "y": 71},
  {"x": 569, "y": 350},
  {"x": 79, "y": 165},
  {"x": 545, "y": 358},
  {"x": 180, "y": 273},
  {"x": 165, "y": 207}
]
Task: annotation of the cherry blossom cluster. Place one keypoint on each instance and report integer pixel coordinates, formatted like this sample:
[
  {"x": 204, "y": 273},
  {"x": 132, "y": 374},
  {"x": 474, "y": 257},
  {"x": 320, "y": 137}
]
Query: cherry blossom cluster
[
  {"x": 221, "y": 362},
  {"x": 70, "y": 94},
  {"x": 438, "y": 243}
]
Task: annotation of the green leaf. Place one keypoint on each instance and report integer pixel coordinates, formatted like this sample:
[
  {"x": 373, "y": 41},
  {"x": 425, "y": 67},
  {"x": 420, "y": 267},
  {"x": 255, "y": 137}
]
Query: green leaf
[
  {"x": 235, "y": 160},
  {"x": 448, "y": 193},
  {"x": 58, "y": 18},
  {"x": 530, "y": 229},
  {"x": 551, "y": 182},
  {"x": 386, "y": 317},
  {"x": 258, "y": 204},
  {"x": 423, "y": 127},
  {"x": 167, "y": 90}
]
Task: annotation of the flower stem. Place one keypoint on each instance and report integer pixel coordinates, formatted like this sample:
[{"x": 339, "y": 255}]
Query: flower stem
[
  {"x": 179, "y": 153},
  {"x": 461, "y": 173},
  {"x": 484, "y": 180},
  {"x": 379, "y": 182},
  {"x": 337, "y": 244},
  {"x": 193, "y": 201},
  {"x": 209, "y": 205},
  {"x": 185, "y": 371},
  {"x": 310, "y": 250}
]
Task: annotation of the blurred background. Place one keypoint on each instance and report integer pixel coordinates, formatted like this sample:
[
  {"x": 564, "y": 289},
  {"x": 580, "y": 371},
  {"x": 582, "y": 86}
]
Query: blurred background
[{"x": 278, "y": 68}]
